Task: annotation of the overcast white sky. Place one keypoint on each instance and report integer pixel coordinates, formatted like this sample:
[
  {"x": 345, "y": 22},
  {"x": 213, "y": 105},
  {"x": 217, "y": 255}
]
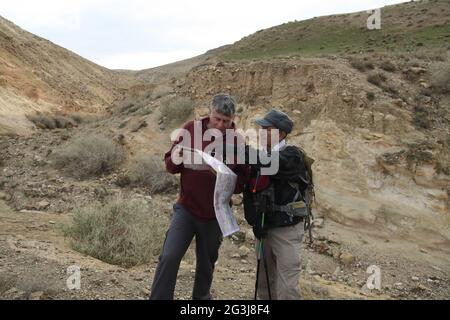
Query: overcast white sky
[{"x": 139, "y": 34}]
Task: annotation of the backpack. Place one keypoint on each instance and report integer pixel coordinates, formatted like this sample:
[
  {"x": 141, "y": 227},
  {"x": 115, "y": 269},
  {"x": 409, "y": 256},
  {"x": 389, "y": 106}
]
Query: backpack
[{"x": 301, "y": 202}]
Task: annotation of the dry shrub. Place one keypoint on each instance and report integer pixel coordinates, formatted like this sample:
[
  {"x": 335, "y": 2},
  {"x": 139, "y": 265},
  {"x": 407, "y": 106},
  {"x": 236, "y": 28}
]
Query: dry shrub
[
  {"x": 122, "y": 232},
  {"x": 89, "y": 155}
]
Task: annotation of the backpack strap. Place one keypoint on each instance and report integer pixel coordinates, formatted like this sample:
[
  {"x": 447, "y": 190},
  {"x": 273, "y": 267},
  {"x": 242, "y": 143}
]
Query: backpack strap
[{"x": 297, "y": 188}]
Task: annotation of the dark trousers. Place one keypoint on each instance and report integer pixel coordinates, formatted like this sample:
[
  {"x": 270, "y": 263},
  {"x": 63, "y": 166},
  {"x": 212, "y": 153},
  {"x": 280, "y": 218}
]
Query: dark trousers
[{"x": 208, "y": 237}]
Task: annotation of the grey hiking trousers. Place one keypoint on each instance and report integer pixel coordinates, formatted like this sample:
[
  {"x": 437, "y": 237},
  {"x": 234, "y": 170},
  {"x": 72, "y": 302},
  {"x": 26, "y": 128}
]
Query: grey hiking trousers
[
  {"x": 208, "y": 237},
  {"x": 282, "y": 248}
]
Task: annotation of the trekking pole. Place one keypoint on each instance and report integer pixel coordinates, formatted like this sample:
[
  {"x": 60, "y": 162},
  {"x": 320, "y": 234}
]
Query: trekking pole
[
  {"x": 258, "y": 254},
  {"x": 257, "y": 272},
  {"x": 265, "y": 261},
  {"x": 261, "y": 253}
]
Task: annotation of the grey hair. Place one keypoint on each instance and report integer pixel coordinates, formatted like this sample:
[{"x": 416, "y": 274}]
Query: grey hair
[{"x": 224, "y": 104}]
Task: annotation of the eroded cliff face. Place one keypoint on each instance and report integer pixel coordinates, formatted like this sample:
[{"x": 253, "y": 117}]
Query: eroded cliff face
[{"x": 375, "y": 168}]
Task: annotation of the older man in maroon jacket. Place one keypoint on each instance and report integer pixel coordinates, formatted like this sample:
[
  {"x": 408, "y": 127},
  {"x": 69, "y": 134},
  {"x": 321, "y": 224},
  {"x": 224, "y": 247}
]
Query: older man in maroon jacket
[{"x": 193, "y": 213}]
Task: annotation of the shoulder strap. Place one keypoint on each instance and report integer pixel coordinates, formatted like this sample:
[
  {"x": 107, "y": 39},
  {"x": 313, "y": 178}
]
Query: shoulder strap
[{"x": 297, "y": 189}]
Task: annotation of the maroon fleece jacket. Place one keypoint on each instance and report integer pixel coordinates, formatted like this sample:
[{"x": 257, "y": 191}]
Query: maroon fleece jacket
[{"x": 197, "y": 186}]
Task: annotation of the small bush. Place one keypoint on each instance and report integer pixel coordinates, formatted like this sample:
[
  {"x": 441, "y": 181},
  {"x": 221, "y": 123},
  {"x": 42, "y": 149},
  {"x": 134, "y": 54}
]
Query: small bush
[
  {"x": 47, "y": 121},
  {"x": 126, "y": 103},
  {"x": 50, "y": 122},
  {"x": 376, "y": 78},
  {"x": 122, "y": 232},
  {"x": 411, "y": 76},
  {"x": 123, "y": 181},
  {"x": 63, "y": 122},
  {"x": 370, "y": 96},
  {"x": 145, "y": 111},
  {"x": 161, "y": 91},
  {"x": 43, "y": 121},
  {"x": 421, "y": 118},
  {"x": 6, "y": 283},
  {"x": 440, "y": 78},
  {"x": 134, "y": 108},
  {"x": 358, "y": 64},
  {"x": 148, "y": 171},
  {"x": 388, "y": 66},
  {"x": 79, "y": 118},
  {"x": 361, "y": 65},
  {"x": 176, "y": 110},
  {"x": 126, "y": 107},
  {"x": 90, "y": 155}
]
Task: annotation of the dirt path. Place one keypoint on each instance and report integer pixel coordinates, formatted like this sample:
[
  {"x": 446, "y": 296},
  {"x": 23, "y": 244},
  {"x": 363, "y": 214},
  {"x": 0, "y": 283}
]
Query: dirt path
[{"x": 34, "y": 258}]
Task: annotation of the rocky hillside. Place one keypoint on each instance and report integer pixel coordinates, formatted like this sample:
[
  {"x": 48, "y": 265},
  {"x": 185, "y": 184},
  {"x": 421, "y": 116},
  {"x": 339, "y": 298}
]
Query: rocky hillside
[
  {"x": 382, "y": 149},
  {"x": 37, "y": 75},
  {"x": 375, "y": 115},
  {"x": 404, "y": 28}
]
